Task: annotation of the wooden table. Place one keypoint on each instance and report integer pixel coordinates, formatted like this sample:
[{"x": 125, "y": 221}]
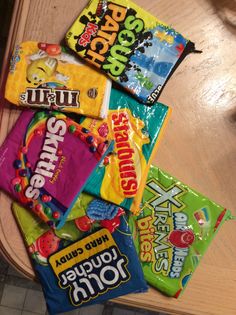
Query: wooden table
[{"x": 199, "y": 144}]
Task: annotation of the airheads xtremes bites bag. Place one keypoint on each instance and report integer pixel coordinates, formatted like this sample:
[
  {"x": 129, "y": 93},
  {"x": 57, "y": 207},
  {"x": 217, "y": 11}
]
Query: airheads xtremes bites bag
[
  {"x": 129, "y": 44},
  {"x": 136, "y": 131},
  {"x": 38, "y": 159},
  {"x": 47, "y": 76},
  {"x": 173, "y": 231},
  {"x": 78, "y": 268}
]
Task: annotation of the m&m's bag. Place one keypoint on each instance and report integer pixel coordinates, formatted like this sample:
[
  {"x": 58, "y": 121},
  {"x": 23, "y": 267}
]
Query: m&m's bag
[
  {"x": 82, "y": 264},
  {"x": 130, "y": 45},
  {"x": 136, "y": 131},
  {"x": 173, "y": 231},
  {"x": 38, "y": 161},
  {"x": 47, "y": 76}
]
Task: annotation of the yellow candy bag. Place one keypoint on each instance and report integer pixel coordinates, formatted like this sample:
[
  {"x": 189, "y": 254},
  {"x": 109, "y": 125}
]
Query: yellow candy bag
[
  {"x": 136, "y": 131},
  {"x": 130, "y": 45},
  {"x": 46, "y": 75}
]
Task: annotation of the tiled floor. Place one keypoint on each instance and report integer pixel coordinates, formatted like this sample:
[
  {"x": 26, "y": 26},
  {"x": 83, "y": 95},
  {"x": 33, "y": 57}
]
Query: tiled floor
[{"x": 20, "y": 296}]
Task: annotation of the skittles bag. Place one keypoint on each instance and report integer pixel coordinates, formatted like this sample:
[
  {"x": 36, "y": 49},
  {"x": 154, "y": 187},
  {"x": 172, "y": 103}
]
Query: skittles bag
[
  {"x": 78, "y": 268},
  {"x": 38, "y": 159},
  {"x": 136, "y": 131},
  {"x": 47, "y": 76},
  {"x": 173, "y": 231},
  {"x": 130, "y": 45}
]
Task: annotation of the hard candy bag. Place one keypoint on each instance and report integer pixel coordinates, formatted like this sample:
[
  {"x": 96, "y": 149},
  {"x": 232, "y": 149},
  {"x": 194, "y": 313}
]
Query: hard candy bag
[{"x": 84, "y": 262}]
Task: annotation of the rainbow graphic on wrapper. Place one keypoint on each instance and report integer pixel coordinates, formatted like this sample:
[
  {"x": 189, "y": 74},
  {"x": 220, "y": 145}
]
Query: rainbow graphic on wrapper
[{"x": 28, "y": 187}]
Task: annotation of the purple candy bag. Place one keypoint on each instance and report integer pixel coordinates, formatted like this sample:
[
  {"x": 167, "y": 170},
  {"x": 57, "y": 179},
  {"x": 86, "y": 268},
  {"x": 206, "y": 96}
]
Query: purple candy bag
[{"x": 38, "y": 162}]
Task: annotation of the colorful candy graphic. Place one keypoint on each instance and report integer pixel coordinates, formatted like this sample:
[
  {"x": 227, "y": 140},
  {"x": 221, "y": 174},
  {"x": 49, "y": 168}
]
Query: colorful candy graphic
[
  {"x": 181, "y": 238},
  {"x": 202, "y": 216},
  {"x": 40, "y": 156},
  {"x": 44, "y": 246}
]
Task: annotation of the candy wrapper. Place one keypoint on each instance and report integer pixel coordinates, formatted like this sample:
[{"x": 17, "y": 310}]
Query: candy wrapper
[
  {"x": 136, "y": 130},
  {"x": 46, "y": 76},
  {"x": 129, "y": 44},
  {"x": 77, "y": 268},
  {"x": 38, "y": 159},
  {"x": 173, "y": 231}
]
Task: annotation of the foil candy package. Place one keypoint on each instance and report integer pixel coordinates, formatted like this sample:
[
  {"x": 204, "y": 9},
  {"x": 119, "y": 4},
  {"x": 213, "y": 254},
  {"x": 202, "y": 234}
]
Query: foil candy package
[
  {"x": 38, "y": 159},
  {"x": 130, "y": 45},
  {"x": 48, "y": 76}
]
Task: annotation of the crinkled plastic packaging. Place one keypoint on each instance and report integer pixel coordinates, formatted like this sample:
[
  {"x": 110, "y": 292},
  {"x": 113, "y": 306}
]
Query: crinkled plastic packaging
[
  {"x": 38, "y": 159},
  {"x": 47, "y": 76},
  {"x": 77, "y": 267},
  {"x": 129, "y": 44},
  {"x": 173, "y": 231},
  {"x": 136, "y": 131}
]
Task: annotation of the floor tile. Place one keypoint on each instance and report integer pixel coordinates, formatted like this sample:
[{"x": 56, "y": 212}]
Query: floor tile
[
  {"x": 13, "y": 272},
  {"x": 108, "y": 308},
  {"x": 13, "y": 296},
  {"x": 74, "y": 312},
  {"x": 9, "y": 311},
  {"x": 2, "y": 285},
  {"x": 28, "y": 313},
  {"x": 22, "y": 282},
  {"x": 34, "y": 302},
  {"x": 96, "y": 309},
  {"x": 122, "y": 311},
  {"x": 3, "y": 266}
]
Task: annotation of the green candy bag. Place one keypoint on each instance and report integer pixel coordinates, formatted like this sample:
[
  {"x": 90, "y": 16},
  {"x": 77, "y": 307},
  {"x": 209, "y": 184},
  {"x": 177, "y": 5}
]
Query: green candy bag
[{"x": 173, "y": 231}]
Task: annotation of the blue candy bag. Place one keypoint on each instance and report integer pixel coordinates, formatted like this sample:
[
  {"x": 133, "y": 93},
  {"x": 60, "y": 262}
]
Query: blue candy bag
[{"x": 85, "y": 262}]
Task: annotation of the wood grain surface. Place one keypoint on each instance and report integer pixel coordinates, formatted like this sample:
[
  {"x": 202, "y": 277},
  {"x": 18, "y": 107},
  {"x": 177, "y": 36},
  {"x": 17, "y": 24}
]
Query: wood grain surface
[{"x": 198, "y": 146}]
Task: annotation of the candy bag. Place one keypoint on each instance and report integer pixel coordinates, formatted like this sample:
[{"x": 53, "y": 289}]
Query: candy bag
[
  {"x": 173, "y": 231},
  {"x": 38, "y": 159},
  {"x": 46, "y": 76},
  {"x": 89, "y": 268},
  {"x": 129, "y": 44},
  {"x": 136, "y": 131}
]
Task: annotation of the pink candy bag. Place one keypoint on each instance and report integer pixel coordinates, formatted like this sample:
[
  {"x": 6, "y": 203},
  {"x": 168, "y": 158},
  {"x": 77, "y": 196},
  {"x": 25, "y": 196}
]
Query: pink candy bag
[{"x": 45, "y": 162}]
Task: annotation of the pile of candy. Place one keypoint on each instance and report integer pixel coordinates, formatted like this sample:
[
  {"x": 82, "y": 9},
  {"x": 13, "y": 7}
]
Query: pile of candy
[{"x": 98, "y": 220}]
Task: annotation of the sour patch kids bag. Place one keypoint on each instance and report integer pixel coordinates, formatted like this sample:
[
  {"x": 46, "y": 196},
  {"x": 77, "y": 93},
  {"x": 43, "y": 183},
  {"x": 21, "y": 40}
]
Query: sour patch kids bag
[{"x": 129, "y": 44}]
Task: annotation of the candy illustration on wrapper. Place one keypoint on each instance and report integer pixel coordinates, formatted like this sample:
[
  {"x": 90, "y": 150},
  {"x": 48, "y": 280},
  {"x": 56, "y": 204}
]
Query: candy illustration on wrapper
[
  {"x": 40, "y": 174},
  {"x": 130, "y": 45},
  {"x": 47, "y": 76},
  {"x": 173, "y": 230},
  {"x": 136, "y": 131},
  {"x": 62, "y": 263}
]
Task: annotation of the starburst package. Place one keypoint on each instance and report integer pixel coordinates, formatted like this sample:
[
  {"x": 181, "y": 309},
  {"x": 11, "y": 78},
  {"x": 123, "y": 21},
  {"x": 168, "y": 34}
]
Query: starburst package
[
  {"x": 47, "y": 76},
  {"x": 129, "y": 44},
  {"x": 173, "y": 231},
  {"x": 83, "y": 263},
  {"x": 136, "y": 131},
  {"x": 38, "y": 159}
]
